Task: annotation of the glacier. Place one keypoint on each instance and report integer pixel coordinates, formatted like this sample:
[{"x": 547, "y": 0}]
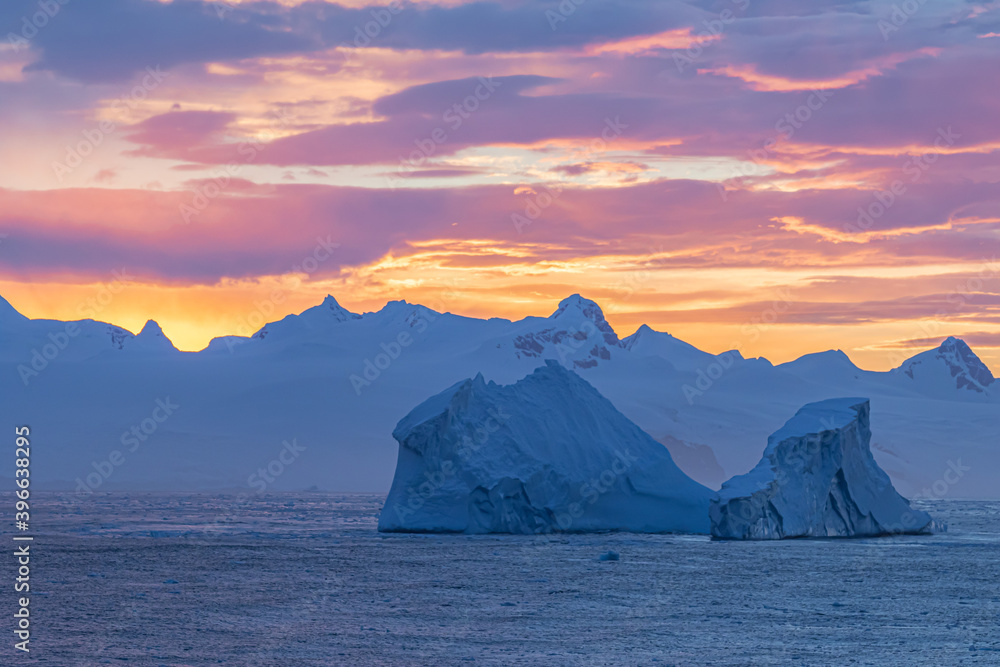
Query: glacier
[
  {"x": 817, "y": 478},
  {"x": 548, "y": 453}
]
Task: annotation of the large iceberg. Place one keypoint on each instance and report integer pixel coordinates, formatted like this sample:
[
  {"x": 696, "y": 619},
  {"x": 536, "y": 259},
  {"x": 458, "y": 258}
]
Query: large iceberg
[
  {"x": 548, "y": 453},
  {"x": 817, "y": 479}
]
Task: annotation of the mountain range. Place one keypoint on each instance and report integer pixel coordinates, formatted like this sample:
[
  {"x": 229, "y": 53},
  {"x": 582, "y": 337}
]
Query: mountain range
[{"x": 112, "y": 410}]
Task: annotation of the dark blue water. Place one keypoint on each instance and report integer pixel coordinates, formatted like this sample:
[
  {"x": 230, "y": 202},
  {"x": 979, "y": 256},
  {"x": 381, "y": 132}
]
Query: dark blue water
[{"x": 307, "y": 580}]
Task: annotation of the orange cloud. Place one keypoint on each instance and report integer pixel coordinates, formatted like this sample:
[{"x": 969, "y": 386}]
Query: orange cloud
[
  {"x": 799, "y": 226},
  {"x": 488, "y": 277},
  {"x": 680, "y": 38},
  {"x": 775, "y": 83}
]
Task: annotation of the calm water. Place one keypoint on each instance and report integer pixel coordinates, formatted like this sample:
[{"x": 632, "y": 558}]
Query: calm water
[{"x": 306, "y": 580}]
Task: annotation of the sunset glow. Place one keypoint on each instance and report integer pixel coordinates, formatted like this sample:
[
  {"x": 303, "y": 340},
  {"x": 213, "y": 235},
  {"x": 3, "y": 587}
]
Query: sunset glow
[{"x": 685, "y": 169}]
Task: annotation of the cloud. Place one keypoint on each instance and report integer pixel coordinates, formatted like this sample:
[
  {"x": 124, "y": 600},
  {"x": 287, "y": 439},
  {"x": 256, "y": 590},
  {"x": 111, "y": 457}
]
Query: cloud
[
  {"x": 772, "y": 82},
  {"x": 105, "y": 175},
  {"x": 456, "y": 116},
  {"x": 251, "y": 229},
  {"x": 436, "y": 120},
  {"x": 109, "y": 40},
  {"x": 176, "y": 133},
  {"x": 973, "y": 338}
]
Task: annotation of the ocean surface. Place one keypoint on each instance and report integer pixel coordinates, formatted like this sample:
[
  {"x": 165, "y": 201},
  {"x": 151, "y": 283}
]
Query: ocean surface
[{"x": 288, "y": 580}]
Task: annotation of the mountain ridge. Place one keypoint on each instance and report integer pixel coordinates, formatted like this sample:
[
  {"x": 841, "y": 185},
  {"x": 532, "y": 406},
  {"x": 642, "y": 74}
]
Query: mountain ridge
[
  {"x": 338, "y": 380},
  {"x": 962, "y": 361}
]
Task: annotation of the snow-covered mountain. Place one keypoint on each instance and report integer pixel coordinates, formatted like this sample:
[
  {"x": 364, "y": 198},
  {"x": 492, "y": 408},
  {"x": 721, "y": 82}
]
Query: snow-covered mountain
[
  {"x": 33, "y": 344},
  {"x": 336, "y": 382},
  {"x": 9, "y": 314},
  {"x": 151, "y": 340},
  {"x": 953, "y": 364},
  {"x": 646, "y": 342},
  {"x": 317, "y": 319},
  {"x": 576, "y": 333},
  {"x": 829, "y": 364}
]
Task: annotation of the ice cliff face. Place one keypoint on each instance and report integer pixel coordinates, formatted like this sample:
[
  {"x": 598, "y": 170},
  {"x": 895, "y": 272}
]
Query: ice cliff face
[
  {"x": 548, "y": 453},
  {"x": 817, "y": 479}
]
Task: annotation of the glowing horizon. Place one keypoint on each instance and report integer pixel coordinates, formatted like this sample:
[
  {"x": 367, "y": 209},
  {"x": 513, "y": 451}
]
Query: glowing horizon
[{"x": 753, "y": 337}]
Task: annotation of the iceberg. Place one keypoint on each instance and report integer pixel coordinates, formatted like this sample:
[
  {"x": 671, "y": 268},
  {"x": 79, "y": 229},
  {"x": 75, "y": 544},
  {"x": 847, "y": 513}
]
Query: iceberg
[
  {"x": 548, "y": 453},
  {"x": 817, "y": 479}
]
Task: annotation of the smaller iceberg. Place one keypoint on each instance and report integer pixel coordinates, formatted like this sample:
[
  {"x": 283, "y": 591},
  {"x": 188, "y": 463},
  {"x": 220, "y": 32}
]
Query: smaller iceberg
[{"x": 817, "y": 478}]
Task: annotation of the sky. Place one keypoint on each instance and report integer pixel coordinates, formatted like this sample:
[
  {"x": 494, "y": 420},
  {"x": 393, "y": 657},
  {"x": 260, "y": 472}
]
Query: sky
[{"x": 778, "y": 177}]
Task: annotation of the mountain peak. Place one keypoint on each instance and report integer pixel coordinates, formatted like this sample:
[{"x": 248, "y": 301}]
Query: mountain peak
[
  {"x": 150, "y": 339},
  {"x": 648, "y": 342},
  {"x": 339, "y": 312},
  {"x": 310, "y": 319},
  {"x": 837, "y": 356},
  {"x": 628, "y": 342},
  {"x": 644, "y": 332},
  {"x": 151, "y": 328},
  {"x": 956, "y": 358},
  {"x": 958, "y": 352},
  {"x": 575, "y": 301},
  {"x": 577, "y": 329},
  {"x": 9, "y": 313},
  {"x": 576, "y": 305},
  {"x": 821, "y": 364}
]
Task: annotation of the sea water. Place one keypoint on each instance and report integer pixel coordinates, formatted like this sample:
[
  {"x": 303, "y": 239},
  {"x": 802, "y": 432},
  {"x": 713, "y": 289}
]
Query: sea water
[{"x": 305, "y": 579}]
